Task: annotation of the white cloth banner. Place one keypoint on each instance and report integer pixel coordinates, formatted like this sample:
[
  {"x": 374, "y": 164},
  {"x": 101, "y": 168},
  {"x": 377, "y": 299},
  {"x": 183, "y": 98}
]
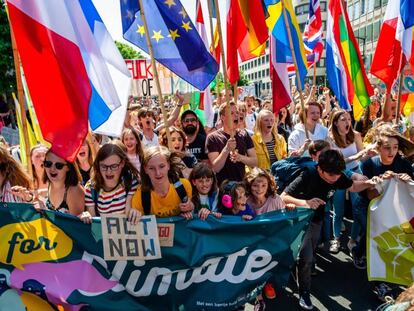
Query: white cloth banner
[{"x": 391, "y": 234}]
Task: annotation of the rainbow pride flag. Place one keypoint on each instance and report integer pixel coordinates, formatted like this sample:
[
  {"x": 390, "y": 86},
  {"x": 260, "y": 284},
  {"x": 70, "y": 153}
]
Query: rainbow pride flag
[{"x": 344, "y": 65}]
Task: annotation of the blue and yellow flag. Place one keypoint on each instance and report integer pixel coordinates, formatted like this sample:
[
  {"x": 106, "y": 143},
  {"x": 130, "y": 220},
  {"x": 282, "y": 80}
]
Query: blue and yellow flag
[
  {"x": 175, "y": 40},
  {"x": 276, "y": 24}
]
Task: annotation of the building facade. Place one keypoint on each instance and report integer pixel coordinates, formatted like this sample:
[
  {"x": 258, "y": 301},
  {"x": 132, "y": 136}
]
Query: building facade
[{"x": 366, "y": 19}]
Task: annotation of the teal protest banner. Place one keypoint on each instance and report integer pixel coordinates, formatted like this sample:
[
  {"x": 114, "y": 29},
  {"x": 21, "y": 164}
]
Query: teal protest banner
[{"x": 50, "y": 259}]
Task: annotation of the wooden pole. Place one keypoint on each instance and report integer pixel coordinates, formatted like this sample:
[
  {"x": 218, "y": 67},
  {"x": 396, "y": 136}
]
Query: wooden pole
[
  {"x": 155, "y": 72},
  {"x": 314, "y": 73},
  {"x": 236, "y": 92},
  {"x": 223, "y": 62},
  {"x": 20, "y": 96},
  {"x": 397, "y": 115},
  {"x": 210, "y": 18},
  {"x": 299, "y": 86}
]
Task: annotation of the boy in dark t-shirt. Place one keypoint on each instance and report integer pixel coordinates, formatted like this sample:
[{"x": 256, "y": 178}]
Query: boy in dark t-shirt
[{"x": 312, "y": 189}]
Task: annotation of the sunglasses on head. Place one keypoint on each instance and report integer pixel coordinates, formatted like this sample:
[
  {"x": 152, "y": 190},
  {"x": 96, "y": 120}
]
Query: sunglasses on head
[{"x": 58, "y": 165}]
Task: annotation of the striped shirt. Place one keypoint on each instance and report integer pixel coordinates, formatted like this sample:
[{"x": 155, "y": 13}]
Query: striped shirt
[
  {"x": 111, "y": 202},
  {"x": 6, "y": 194},
  {"x": 270, "y": 146}
]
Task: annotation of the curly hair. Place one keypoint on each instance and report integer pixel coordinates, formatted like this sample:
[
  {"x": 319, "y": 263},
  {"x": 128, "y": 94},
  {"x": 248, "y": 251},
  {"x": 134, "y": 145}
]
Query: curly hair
[{"x": 256, "y": 173}]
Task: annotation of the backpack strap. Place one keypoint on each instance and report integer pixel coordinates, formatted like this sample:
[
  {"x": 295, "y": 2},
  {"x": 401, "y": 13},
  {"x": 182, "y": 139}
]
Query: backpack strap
[
  {"x": 211, "y": 199},
  {"x": 146, "y": 202},
  {"x": 95, "y": 197},
  {"x": 179, "y": 187},
  {"x": 146, "y": 196}
]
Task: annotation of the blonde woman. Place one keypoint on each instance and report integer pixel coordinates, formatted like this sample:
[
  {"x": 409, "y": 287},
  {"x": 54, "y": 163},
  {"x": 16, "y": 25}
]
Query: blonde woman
[{"x": 269, "y": 145}]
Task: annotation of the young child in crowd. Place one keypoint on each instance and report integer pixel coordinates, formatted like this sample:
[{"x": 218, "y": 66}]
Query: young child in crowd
[
  {"x": 113, "y": 182},
  {"x": 205, "y": 191},
  {"x": 233, "y": 200},
  {"x": 130, "y": 138},
  {"x": 262, "y": 192}
]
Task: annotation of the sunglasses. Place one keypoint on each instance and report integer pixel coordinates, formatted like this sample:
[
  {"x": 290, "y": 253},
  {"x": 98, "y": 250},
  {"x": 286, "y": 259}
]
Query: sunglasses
[
  {"x": 112, "y": 167},
  {"x": 58, "y": 165}
]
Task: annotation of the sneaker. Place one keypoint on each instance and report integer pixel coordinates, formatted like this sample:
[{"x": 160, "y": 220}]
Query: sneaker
[
  {"x": 259, "y": 305},
  {"x": 305, "y": 301},
  {"x": 269, "y": 291},
  {"x": 360, "y": 262},
  {"x": 383, "y": 290},
  {"x": 351, "y": 244},
  {"x": 334, "y": 248}
]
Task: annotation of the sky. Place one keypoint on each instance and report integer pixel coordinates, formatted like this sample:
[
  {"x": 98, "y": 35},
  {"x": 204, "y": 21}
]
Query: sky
[{"x": 110, "y": 14}]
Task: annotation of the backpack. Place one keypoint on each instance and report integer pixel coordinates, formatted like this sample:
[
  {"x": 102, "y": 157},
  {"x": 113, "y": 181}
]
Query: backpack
[
  {"x": 285, "y": 171},
  {"x": 146, "y": 196}
]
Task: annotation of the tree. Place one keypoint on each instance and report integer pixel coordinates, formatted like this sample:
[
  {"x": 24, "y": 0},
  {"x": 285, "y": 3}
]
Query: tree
[
  {"x": 8, "y": 80},
  {"x": 219, "y": 79},
  {"x": 127, "y": 51}
]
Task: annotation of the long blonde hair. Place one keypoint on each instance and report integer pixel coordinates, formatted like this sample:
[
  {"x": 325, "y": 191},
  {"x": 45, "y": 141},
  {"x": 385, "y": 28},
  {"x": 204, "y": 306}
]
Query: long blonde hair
[{"x": 257, "y": 125}]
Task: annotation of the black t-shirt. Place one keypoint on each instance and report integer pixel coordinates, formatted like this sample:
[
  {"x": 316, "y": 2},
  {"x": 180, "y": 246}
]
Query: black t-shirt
[
  {"x": 216, "y": 142},
  {"x": 309, "y": 185},
  {"x": 198, "y": 147}
]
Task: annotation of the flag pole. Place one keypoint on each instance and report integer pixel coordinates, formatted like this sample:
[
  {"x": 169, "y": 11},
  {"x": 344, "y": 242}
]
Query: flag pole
[
  {"x": 397, "y": 115},
  {"x": 20, "y": 97},
  {"x": 155, "y": 73},
  {"x": 299, "y": 86},
  {"x": 228, "y": 108},
  {"x": 210, "y": 19},
  {"x": 314, "y": 73},
  {"x": 236, "y": 92}
]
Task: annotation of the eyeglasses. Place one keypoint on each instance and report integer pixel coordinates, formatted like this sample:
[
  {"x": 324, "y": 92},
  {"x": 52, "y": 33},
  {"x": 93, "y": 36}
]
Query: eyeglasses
[
  {"x": 58, "y": 165},
  {"x": 189, "y": 120},
  {"x": 112, "y": 167}
]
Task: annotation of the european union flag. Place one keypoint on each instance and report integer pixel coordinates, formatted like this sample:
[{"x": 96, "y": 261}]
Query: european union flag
[{"x": 175, "y": 41}]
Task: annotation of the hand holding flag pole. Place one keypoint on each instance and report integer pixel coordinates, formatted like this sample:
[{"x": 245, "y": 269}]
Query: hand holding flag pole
[
  {"x": 155, "y": 72},
  {"x": 302, "y": 104},
  {"x": 228, "y": 108}
]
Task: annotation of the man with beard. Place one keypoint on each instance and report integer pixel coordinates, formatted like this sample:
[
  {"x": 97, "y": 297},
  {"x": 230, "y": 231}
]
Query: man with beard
[
  {"x": 229, "y": 156},
  {"x": 196, "y": 135}
]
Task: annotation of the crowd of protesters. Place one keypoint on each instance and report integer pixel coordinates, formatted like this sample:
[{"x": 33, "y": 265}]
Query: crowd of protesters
[{"x": 230, "y": 167}]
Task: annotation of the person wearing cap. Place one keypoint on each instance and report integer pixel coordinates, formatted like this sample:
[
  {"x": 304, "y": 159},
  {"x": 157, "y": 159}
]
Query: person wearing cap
[{"x": 196, "y": 135}]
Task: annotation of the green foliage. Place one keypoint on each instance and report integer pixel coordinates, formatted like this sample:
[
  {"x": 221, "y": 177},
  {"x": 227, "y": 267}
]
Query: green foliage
[
  {"x": 219, "y": 79},
  {"x": 127, "y": 51},
  {"x": 8, "y": 80}
]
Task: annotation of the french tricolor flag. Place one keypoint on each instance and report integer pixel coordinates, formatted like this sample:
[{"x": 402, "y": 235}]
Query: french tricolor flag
[
  {"x": 69, "y": 79},
  {"x": 395, "y": 44}
]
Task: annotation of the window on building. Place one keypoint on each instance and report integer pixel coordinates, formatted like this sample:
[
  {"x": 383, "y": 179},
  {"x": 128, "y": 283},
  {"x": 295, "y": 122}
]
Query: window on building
[
  {"x": 351, "y": 12},
  {"x": 370, "y": 6},
  {"x": 369, "y": 33},
  {"x": 267, "y": 72},
  {"x": 302, "y": 27},
  {"x": 357, "y": 9},
  {"x": 362, "y": 33},
  {"x": 260, "y": 75},
  {"x": 384, "y": 2},
  {"x": 377, "y": 4},
  {"x": 376, "y": 30},
  {"x": 321, "y": 62},
  {"x": 259, "y": 61},
  {"x": 263, "y": 86},
  {"x": 255, "y": 62},
  {"x": 267, "y": 58},
  {"x": 267, "y": 43},
  {"x": 263, "y": 73},
  {"x": 255, "y": 75},
  {"x": 363, "y": 7},
  {"x": 323, "y": 6}
]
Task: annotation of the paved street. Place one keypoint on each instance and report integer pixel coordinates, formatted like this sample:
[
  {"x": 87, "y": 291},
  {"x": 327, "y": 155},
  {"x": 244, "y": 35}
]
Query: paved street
[{"x": 338, "y": 286}]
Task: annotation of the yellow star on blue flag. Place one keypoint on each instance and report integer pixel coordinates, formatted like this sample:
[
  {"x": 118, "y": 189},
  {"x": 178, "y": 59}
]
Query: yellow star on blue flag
[{"x": 183, "y": 52}]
